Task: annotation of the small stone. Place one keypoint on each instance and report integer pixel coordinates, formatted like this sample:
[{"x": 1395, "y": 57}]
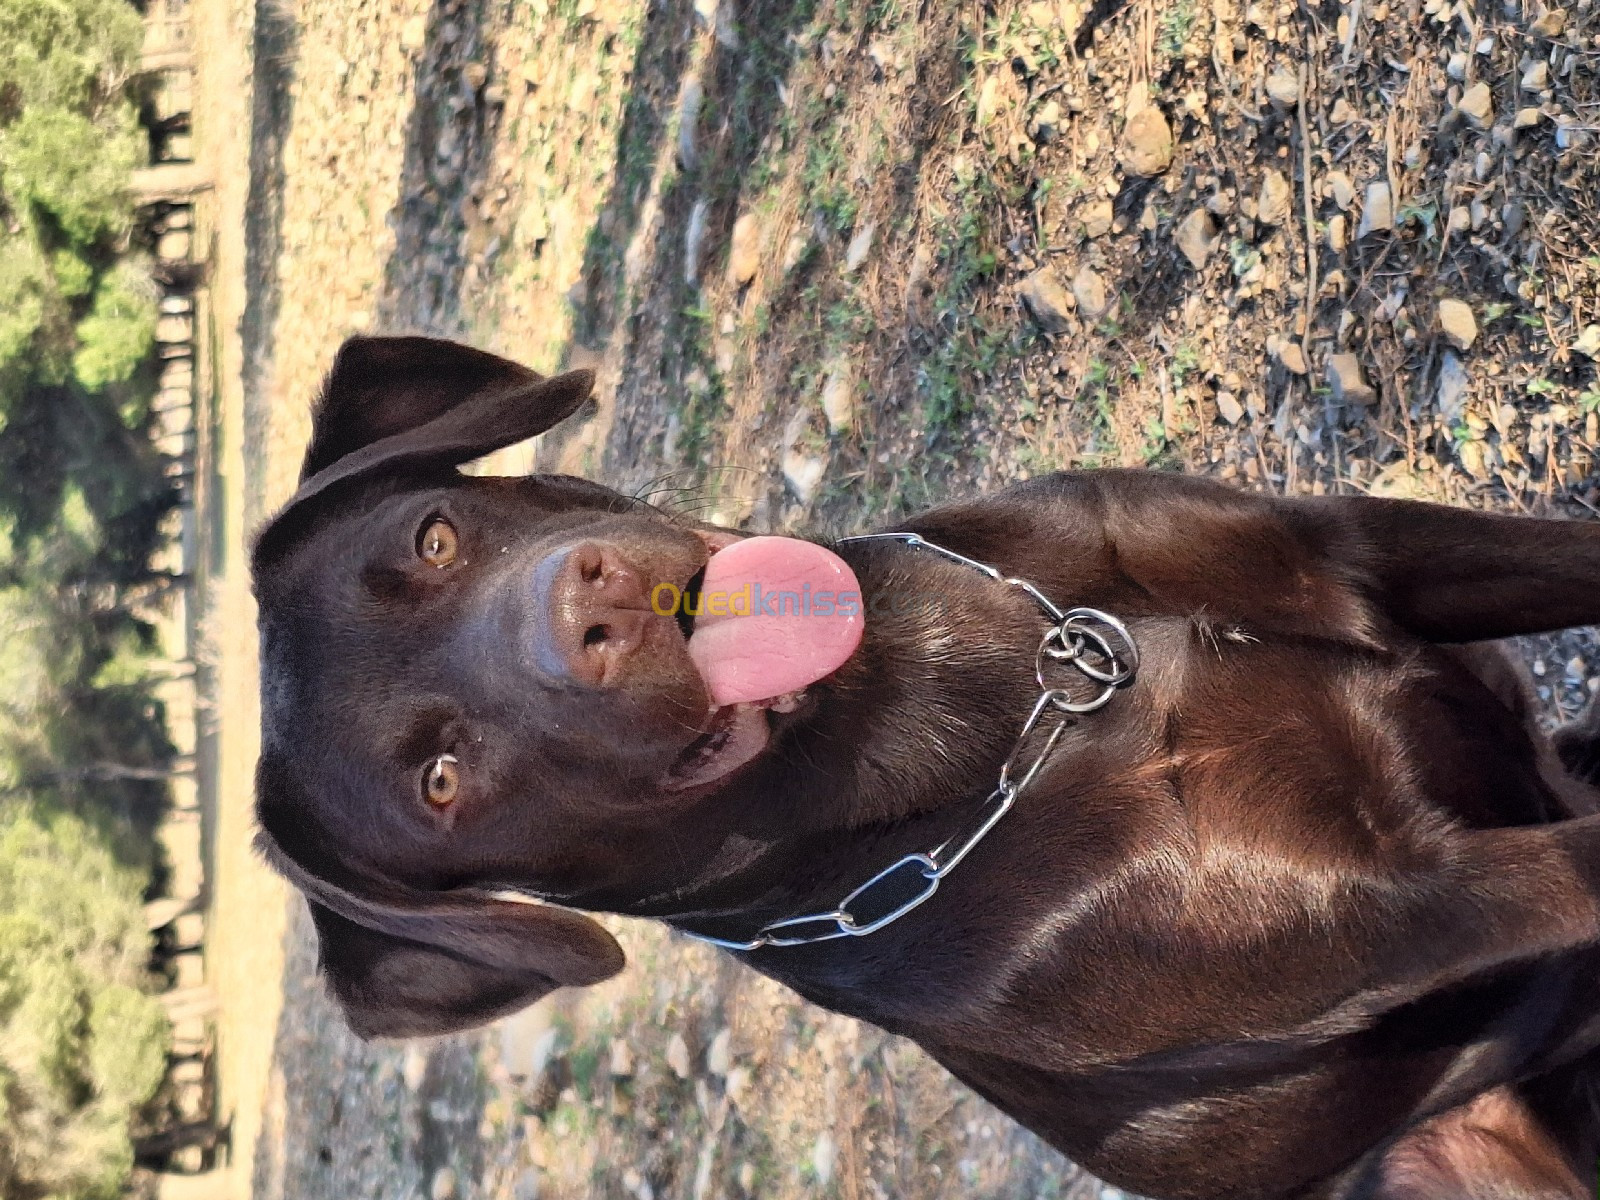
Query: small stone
[
  {"x": 1291, "y": 356},
  {"x": 1459, "y": 221},
  {"x": 719, "y": 1055},
  {"x": 1457, "y": 324},
  {"x": 1146, "y": 143},
  {"x": 1097, "y": 219},
  {"x": 414, "y": 34},
  {"x": 689, "y": 101},
  {"x": 1569, "y": 133},
  {"x": 824, "y": 1157},
  {"x": 1089, "y": 290},
  {"x": 737, "y": 1087},
  {"x": 1477, "y": 105},
  {"x": 1348, "y": 384},
  {"x": 1341, "y": 189},
  {"x": 1283, "y": 87},
  {"x": 860, "y": 246},
  {"x": 1480, "y": 215},
  {"x": 1196, "y": 237},
  {"x": 1047, "y": 300},
  {"x": 1047, "y": 123},
  {"x": 694, "y": 237},
  {"x": 1451, "y": 397},
  {"x": 1229, "y": 407},
  {"x": 1377, "y": 211},
  {"x": 744, "y": 250},
  {"x": 444, "y": 1185},
  {"x": 1537, "y": 77},
  {"x": 1456, "y": 68},
  {"x": 1342, "y": 113},
  {"x": 1482, "y": 166},
  {"x": 677, "y": 1048},
  {"x": 839, "y": 406},
  {"x": 1551, "y": 24},
  {"x": 794, "y": 250},
  {"x": 475, "y": 75},
  {"x": 1276, "y": 196},
  {"x": 1588, "y": 343},
  {"x": 621, "y": 1059},
  {"x": 1338, "y": 233},
  {"x": 1526, "y": 118}
]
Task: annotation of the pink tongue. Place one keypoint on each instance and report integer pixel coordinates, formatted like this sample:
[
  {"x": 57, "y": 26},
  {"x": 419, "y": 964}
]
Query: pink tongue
[{"x": 770, "y": 618}]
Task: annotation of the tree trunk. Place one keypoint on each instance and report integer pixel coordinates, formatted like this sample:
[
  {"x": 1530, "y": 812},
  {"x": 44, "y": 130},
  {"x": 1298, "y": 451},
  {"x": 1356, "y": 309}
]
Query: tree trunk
[
  {"x": 166, "y": 60},
  {"x": 172, "y": 182}
]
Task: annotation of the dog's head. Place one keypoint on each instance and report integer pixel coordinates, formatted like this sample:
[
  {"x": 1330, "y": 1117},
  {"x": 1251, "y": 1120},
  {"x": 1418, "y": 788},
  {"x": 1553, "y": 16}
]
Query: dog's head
[{"x": 466, "y": 690}]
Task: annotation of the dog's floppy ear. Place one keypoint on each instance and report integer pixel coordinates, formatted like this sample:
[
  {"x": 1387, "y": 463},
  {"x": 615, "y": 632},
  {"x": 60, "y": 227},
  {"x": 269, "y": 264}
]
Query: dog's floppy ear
[
  {"x": 399, "y": 402},
  {"x": 403, "y": 963},
  {"x": 394, "y": 400},
  {"x": 381, "y": 387}
]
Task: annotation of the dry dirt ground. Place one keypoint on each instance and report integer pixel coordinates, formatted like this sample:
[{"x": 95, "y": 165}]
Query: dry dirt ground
[{"x": 834, "y": 260}]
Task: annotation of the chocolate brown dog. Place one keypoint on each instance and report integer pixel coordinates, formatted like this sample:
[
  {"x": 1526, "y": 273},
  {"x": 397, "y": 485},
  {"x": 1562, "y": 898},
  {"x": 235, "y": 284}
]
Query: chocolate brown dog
[{"x": 1309, "y": 908}]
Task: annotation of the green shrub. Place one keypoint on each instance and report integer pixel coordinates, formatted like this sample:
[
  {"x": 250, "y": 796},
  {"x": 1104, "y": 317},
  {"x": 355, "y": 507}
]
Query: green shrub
[{"x": 119, "y": 331}]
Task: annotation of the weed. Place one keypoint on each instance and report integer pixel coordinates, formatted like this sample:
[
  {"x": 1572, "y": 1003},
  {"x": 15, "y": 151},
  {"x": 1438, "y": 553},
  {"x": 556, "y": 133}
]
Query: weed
[
  {"x": 1494, "y": 310},
  {"x": 1185, "y": 362},
  {"x": 1589, "y": 399},
  {"x": 1540, "y": 386},
  {"x": 1177, "y": 23}
]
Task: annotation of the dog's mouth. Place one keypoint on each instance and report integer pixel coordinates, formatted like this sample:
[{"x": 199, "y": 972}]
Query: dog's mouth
[{"x": 757, "y": 634}]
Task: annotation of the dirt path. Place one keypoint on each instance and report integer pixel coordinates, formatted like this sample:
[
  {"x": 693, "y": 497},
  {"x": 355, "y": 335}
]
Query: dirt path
[{"x": 834, "y": 261}]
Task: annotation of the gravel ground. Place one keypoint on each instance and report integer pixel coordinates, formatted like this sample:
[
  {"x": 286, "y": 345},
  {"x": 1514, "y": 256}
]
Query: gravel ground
[{"x": 834, "y": 261}]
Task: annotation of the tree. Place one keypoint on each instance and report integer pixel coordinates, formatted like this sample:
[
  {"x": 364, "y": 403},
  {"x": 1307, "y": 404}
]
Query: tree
[{"x": 82, "y": 1046}]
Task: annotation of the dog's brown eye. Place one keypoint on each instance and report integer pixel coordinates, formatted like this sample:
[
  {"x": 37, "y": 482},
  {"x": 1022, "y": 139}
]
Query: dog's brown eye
[
  {"x": 442, "y": 781},
  {"x": 438, "y": 544}
]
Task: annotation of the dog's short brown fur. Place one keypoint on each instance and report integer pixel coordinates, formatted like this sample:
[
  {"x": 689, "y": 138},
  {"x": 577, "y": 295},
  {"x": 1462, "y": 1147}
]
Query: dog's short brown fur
[{"x": 1312, "y": 909}]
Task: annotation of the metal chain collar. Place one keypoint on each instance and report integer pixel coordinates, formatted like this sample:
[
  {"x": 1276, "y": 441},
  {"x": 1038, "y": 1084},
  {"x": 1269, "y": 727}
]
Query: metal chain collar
[{"x": 1095, "y": 643}]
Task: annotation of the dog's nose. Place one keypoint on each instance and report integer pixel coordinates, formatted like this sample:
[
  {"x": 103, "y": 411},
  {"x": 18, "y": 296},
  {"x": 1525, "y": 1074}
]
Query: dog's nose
[{"x": 594, "y": 612}]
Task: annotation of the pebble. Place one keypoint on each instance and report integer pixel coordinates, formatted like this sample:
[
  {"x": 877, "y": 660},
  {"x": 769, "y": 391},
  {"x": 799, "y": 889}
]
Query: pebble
[
  {"x": 689, "y": 100},
  {"x": 1457, "y": 324},
  {"x": 1146, "y": 143},
  {"x": 860, "y": 246},
  {"x": 1342, "y": 113},
  {"x": 444, "y": 1185},
  {"x": 414, "y": 34},
  {"x": 1338, "y": 233},
  {"x": 1283, "y": 87},
  {"x": 1276, "y": 196},
  {"x": 1451, "y": 397},
  {"x": 1047, "y": 300},
  {"x": 744, "y": 251},
  {"x": 1526, "y": 118},
  {"x": 1091, "y": 294},
  {"x": 1537, "y": 77},
  {"x": 1097, "y": 218},
  {"x": 1477, "y": 105},
  {"x": 839, "y": 406},
  {"x": 1291, "y": 356},
  {"x": 1229, "y": 407},
  {"x": 719, "y": 1055},
  {"x": 1459, "y": 221},
  {"x": 1196, "y": 237},
  {"x": 1377, "y": 211},
  {"x": 1588, "y": 343},
  {"x": 1348, "y": 383},
  {"x": 1340, "y": 188},
  {"x": 1457, "y": 66},
  {"x": 677, "y": 1048},
  {"x": 1551, "y": 24},
  {"x": 694, "y": 237},
  {"x": 824, "y": 1158},
  {"x": 621, "y": 1059}
]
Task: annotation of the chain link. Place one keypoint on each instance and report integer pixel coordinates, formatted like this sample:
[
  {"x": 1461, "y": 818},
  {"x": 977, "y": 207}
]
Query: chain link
[{"x": 1095, "y": 644}]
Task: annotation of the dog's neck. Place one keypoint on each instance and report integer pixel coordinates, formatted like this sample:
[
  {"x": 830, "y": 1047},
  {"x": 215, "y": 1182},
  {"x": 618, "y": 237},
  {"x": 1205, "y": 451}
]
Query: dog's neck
[{"x": 889, "y": 752}]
